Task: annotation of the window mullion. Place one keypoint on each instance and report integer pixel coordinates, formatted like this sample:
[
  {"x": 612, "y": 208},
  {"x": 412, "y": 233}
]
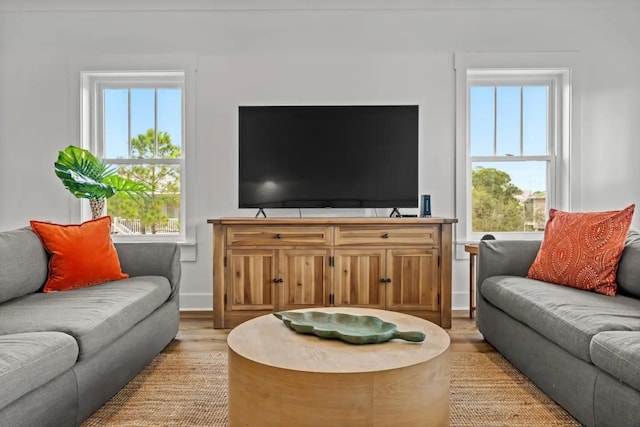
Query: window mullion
[
  {"x": 98, "y": 132},
  {"x": 138, "y": 161},
  {"x": 521, "y": 120},
  {"x": 552, "y": 120},
  {"x": 129, "y": 121},
  {"x": 545, "y": 158},
  {"x": 495, "y": 120},
  {"x": 155, "y": 122}
]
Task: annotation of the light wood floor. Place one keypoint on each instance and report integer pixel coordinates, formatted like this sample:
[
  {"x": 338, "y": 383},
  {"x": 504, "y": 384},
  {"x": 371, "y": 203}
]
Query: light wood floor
[{"x": 197, "y": 334}]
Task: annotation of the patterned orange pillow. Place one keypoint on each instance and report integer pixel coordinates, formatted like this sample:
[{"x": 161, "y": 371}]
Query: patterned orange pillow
[
  {"x": 81, "y": 254},
  {"x": 582, "y": 249}
]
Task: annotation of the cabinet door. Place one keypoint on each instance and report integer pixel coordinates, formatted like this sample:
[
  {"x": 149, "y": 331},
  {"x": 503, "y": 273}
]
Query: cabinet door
[
  {"x": 250, "y": 279},
  {"x": 357, "y": 279},
  {"x": 304, "y": 278},
  {"x": 414, "y": 278}
]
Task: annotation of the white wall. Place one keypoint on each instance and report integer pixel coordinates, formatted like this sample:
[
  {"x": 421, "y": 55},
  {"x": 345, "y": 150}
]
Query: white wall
[{"x": 242, "y": 53}]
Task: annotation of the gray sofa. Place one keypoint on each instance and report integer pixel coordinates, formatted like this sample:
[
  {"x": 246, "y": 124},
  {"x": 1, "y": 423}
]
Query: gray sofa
[
  {"x": 581, "y": 348},
  {"x": 64, "y": 354}
]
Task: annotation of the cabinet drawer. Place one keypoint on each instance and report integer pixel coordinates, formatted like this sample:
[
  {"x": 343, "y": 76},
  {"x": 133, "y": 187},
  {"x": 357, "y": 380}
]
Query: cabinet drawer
[
  {"x": 278, "y": 236},
  {"x": 381, "y": 235}
]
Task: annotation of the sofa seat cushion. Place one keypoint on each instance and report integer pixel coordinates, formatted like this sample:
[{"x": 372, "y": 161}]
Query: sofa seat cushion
[
  {"x": 618, "y": 353},
  {"x": 569, "y": 317},
  {"x": 95, "y": 316},
  {"x": 30, "y": 360}
]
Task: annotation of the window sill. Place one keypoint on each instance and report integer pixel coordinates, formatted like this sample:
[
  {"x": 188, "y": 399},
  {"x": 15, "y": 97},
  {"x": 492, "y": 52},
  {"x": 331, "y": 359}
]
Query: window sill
[{"x": 188, "y": 249}]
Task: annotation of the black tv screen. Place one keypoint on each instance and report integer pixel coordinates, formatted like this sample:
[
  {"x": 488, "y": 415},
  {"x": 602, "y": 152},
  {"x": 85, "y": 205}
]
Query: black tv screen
[{"x": 328, "y": 156}]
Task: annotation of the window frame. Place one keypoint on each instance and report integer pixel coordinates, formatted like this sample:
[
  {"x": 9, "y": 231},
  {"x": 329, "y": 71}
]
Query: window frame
[
  {"x": 567, "y": 66},
  {"x": 93, "y": 84},
  {"x": 515, "y": 78}
]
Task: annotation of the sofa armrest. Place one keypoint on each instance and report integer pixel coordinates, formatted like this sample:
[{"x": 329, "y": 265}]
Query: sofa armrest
[
  {"x": 505, "y": 258},
  {"x": 151, "y": 259}
]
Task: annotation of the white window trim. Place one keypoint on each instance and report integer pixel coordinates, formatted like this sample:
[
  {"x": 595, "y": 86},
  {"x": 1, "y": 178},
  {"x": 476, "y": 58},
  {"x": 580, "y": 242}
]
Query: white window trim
[
  {"x": 563, "y": 67},
  {"x": 91, "y": 110}
]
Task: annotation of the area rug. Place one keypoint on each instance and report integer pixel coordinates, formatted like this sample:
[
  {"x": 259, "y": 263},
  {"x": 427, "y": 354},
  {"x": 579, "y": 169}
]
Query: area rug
[{"x": 190, "y": 389}]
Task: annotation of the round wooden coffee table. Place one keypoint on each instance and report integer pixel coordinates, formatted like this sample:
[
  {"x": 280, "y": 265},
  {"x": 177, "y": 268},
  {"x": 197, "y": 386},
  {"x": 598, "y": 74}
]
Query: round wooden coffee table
[{"x": 278, "y": 377}]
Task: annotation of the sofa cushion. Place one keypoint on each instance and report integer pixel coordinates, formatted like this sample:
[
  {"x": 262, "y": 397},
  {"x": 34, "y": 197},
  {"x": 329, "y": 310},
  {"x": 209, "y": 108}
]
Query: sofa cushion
[
  {"x": 81, "y": 254},
  {"x": 24, "y": 264},
  {"x": 94, "y": 316},
  {"x": 618, "y": 353},
  {"x": 569, "y": 317},
  {"x": 30, "y": 360},
  {"x": 582, "y": 249},
  {"x": 629, "y": 267}
]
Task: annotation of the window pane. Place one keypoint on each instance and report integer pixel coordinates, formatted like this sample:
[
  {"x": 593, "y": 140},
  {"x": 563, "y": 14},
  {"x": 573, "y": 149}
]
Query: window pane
[
  {"x": 481, "y": 113},
  {"x": 534, "y": 120},
  {"x": 157, "y": 214},
  {"x": 143, "y": 123},
  {"x": 508, "y": 120},
  {"x": 116, "y": 118},
  {"x": 508, "y": 196},
  {"x": 169, "y": 123}
]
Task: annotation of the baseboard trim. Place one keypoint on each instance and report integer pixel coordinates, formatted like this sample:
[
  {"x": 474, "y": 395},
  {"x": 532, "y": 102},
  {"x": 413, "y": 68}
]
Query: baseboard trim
[
  {"x": 196, "y": 314},
  {"x": 196, "y": 301}
]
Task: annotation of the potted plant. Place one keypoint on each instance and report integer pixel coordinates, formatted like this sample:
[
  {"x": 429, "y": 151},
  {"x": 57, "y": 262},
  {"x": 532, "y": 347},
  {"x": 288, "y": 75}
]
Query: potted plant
[{"x": 86, "y": 177}]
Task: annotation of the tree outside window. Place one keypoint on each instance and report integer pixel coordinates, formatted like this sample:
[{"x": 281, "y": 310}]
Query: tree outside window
[
  {"x": 500, "y": 206},
  {"x": 158, "y": 213}
]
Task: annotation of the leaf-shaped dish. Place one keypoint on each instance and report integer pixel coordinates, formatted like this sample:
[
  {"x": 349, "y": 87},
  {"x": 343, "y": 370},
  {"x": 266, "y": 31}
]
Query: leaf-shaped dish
[{"x": 346, "y": 327}]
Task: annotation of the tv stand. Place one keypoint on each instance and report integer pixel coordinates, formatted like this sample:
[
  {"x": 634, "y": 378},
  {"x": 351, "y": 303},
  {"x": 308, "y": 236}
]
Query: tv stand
[
  {"x": 273, "y": 264},
  {"x": 260, "y": 211},
  {"x": 395, "y": 213}
]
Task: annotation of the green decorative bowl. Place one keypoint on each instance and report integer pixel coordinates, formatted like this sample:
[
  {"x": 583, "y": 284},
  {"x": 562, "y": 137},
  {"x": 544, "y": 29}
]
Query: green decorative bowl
[{"x": 346, "y": 327}]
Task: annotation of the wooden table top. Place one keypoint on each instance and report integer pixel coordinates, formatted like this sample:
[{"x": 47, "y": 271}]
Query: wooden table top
[
  {"x": 268, "y": 341},
  {"x": 471, "y": 248}
]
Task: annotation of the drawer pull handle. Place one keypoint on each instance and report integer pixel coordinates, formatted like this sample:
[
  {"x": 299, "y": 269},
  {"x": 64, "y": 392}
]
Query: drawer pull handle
[
  {"x": 385, "y": 280},
  {"x": 278, "y": 280},
  {"x": 278, "y": 236},
  {"x": 385, "y": 236}
]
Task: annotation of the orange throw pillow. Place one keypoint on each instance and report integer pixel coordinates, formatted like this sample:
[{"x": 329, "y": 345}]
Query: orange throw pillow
[
  {"x": 582, "y": 249},
  {"x": 81, "y": 254}
]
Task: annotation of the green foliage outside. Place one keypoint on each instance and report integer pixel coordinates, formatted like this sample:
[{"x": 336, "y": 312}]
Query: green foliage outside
[
  {"x": 534, "y": 211},
  {"x": 162, "y": 181},
  {"x": 496, "y": 207}
]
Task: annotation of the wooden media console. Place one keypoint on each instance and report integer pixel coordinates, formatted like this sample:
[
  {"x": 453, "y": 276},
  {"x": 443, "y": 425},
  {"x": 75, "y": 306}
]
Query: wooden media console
[{"x": 262, "y": 265}]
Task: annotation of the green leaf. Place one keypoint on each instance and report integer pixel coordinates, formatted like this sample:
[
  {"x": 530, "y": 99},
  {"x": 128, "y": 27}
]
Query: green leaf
[
  {"x": 86, "y": 177},
  {"x": 126, "y": 187}
]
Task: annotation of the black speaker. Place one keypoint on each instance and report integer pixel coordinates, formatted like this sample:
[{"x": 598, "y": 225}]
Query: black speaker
[{"x": 425, "y": 206}]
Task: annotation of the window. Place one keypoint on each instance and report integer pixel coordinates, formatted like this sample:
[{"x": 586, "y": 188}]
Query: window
[
  {"x": 137, "y": 125},
  {"x": 513, "y": 128},
  {"x": 511, "y": 122}
]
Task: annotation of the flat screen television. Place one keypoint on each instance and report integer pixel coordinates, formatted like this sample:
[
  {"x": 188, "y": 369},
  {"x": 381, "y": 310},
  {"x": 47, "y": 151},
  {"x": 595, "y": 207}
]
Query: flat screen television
[{"x": 363, "y": 156}]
